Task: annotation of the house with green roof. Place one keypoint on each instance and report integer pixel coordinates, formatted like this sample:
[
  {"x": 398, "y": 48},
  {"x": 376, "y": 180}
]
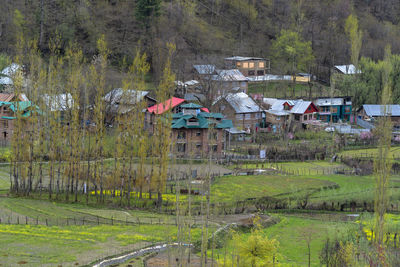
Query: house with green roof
[
  {"x": 197, "y": 133},
  {"x": 8, "y": 114}
]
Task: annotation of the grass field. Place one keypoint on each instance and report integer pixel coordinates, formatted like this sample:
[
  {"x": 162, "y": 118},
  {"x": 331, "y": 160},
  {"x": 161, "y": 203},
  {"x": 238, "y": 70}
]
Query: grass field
[
  {"x": 292, "y": 245},
  {"x": 370, "y": 152},
  {"x": 235, "y": 188},
  {"x": 299, "y": 168},
  {"x": 46, "y": 246}
]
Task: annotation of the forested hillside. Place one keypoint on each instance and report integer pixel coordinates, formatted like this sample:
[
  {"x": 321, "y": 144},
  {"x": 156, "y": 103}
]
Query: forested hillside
[{"x": 204, "y": 28}]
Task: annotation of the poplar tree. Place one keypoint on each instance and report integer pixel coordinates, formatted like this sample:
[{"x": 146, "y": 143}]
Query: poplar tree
[
  {"x": 383, "y": 162},
  {"x": 162, "y": 135},
  {"x": 97, "y": 80}
]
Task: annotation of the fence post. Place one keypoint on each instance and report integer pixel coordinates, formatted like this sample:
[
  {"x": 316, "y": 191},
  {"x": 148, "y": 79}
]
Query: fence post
[
  {"x": 37, "y": 220},
  {"x": 17, "y": 219},
  {"x": 98, "y": 220},
  {"x": 83, "y": 221},
  {"x": 112, "y": 220},
  {"x": 47, "y": 224},
  {"x": 26, "y": 219}
]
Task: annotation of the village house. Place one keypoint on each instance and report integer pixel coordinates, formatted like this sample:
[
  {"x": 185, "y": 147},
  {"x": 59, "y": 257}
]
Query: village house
[
  {"x": 173, "y": 104},
  {"x": 244, "y": 112},
  {"x": 230, "y": 81},
  {"x": 248, "y": 66},
  {"x": 197, "y": 133},
  {"x": 8, "y": 115},
  {"x": 218, "y": 81},
  {"x": 120, "y": 102},
  {"x": 201, "y": 72},
  {"x": 334, "y": 109},
  {"x": 372, "y": 113},
  {"x": 278, "y": 113},
  {"x": 303, "y": 111}
]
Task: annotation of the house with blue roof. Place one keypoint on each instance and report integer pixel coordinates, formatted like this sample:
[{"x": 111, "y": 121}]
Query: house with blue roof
[{"x": 197, "y": 133}]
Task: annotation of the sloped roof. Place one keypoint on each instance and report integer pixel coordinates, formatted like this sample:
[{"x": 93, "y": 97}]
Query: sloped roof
[
  {"x": 191, "y": 105},
  {"x": 60, "y": 102},
  {"x": 165, "y": 106},
  {"x": 241, "y": 103},
  {"x": 10, "y": 70},
  {"x": 329, "y": 101},
  {"x": 229, "y": 75},
  {"x": 240, "y": 58},
  {"x": 379, "y": 110},
  {"x": 204, "y": 69},
  {"x": 194, "y": 97},
  {"x": 180, "y": 120},
  {"x": 278, "y": 112},
  {"x": 347, "y": 69},
  {"x": 131, "y": 96},
  {"x": 300, "y": 107},
  {"x": 8, "y": 97}
]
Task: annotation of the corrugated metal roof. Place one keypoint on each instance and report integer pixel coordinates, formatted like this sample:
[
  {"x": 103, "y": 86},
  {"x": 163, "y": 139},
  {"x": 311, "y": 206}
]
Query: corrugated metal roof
[
  {"x": 10, "y": 70},
  {"x": 240, "y": 58},
  {"x": 242, "y": 103},
  {"x": 300, "y": 107},
  {"x": 347, "y": 69},
  {"x": 166, "y": 105},
  {"x": 60, "y": 102},
  {"x": 204, "y": 69},
  {"x": 379, "y": 110},
  {"x": 131, "y": 96},
  {"x": 269, "y": 77},
  {"x": 194, "y": 97},
  {"x": 278, "y": 112},
  {"x": 229, "y": 75},
  {"x": 329, "y": 102}
]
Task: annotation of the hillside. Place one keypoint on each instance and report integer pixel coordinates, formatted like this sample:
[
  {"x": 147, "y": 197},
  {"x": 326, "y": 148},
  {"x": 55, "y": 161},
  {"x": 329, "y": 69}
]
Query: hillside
[{"x": 204, "y": 30}]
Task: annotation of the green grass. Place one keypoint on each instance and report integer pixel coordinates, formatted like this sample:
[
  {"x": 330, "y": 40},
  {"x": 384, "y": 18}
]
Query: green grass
[
  {"x": 56, "y": 213},
  {"x": 369, "y": 152},
  {"x": 235, "y": 188},
  {"x": 292, "y": 246},
  {"x": 300, "y": 168},
  {"x": 37, "y": 245}
]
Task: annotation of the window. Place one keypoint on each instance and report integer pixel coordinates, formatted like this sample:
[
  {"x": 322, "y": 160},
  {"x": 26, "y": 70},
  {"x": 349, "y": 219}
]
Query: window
[
  {"x": 215, "y": 148},
  {"x": 251, "y": 73},
  {"x": 243, "y": 84},
  {"x": 222, "y": 107},
  {"x": 213, "y": 136},
  {"x": 334, "y": 109},
  {"x": 347, "y": 109},
  {"x": 238, "y": 64},
  {"x": 248, "y": 116},
  {"x": 251, "y": 65},
  {"x": 239, "y": 116},
  {"x": 297, "y": 117},
  {"x": 198, "y": 134},
  {"x": 260, "y": 72},
  {"x": 261, "y": 65},
  {"x": 258, "y": 115},
  {"x": 5, "y": 109},
  {"x": 5, "y": 124},
  {"x": 181, "y": 135},
  {"x": 245, "y": 65},
  {"x": 181, "y": 147}
]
